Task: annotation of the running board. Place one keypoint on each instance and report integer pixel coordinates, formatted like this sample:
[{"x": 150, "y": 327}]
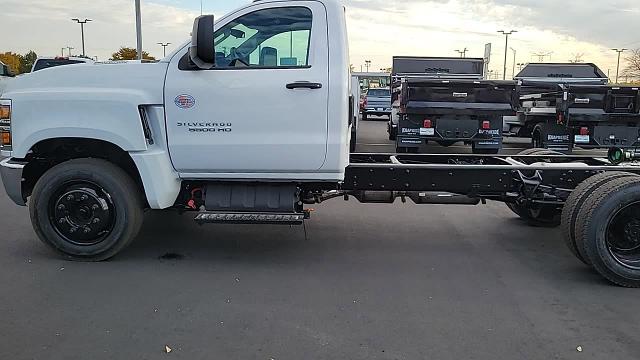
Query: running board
[{"x": 250, "y": 218}]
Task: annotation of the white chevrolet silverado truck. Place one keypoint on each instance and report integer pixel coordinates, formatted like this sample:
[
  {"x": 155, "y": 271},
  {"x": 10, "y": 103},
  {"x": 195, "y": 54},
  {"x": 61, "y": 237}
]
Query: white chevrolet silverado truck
[{"x": 249, "y": 122}]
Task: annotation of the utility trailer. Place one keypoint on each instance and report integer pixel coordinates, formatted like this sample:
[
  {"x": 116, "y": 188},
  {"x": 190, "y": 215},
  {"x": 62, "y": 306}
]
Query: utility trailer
[
  {"x": 447, "y": 100},
  {"x": 563, "y": 106}
]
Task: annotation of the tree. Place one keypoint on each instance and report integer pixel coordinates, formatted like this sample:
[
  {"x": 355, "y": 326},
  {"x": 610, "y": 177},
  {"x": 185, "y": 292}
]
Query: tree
[
  {"x": 27, "y": 61},
  {"x": 633, "y": 64},
  {"x": 12, "y": 60},
  {"x": 127, "y": 53}
]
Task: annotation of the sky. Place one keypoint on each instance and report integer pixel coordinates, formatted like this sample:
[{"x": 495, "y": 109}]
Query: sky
[{"x": 378, "y": 29}]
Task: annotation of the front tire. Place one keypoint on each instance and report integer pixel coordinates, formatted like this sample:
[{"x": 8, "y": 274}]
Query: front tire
[{"x": 86, "y": 209}]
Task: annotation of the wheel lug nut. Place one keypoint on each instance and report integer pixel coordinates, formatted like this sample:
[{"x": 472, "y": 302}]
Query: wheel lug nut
[
  {"x": 83, "y": 198},
  {"x": 61, "y": 221},
  {"x": 96, "y": 220},
  {"x": 70, "y": 197},
  {"x": 87, "y": 230},
  {"x": 61, "y": 207},
  {"x": 73, "y": 229},
  {"x": 95, "y": 207}
]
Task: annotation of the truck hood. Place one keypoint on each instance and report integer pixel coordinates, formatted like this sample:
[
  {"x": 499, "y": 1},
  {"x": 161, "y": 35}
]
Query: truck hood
[{"x": 145, "y": 78}]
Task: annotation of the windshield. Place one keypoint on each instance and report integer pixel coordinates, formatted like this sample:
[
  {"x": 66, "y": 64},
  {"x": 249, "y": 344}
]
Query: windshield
[
  {"x": 379, "y": 92},
  {"x": 48, "y": 63}
]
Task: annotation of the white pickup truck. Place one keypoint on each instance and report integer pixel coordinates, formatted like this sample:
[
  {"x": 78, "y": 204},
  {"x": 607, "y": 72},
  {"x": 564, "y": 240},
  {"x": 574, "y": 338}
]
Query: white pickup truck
[
  {"x": 5, "y": 76},
  {"x": 248, "y": 123}
]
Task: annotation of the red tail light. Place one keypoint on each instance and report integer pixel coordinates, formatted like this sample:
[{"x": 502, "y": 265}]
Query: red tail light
[
  {"x": 427, "y": 124},
  {"x": 486, "y": 125},
  {"x": 584, "y": 131}
]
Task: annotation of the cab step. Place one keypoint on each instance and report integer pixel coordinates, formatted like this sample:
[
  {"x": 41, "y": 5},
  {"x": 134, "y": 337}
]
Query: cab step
[{"x": 212, "y": 217}]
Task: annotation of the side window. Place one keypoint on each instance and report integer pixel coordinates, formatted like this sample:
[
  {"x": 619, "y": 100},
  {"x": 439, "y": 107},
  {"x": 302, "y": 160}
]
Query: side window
[{"x": 277, "y": 37}]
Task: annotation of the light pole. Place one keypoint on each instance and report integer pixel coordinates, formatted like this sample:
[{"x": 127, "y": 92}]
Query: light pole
[
  {"x": 82, "y": 22},
  {"x": 164, "y": 48},
  {"x": 138, "y": 30},
  {"x": 69, "y": 48},
  {"x": 514, "y": 61},
  {"x": 463, "y": 53},
  {"x": 506, "y": 49},
  {"x": 367, "y": 63},
  {"x": 619, "y": 51}
]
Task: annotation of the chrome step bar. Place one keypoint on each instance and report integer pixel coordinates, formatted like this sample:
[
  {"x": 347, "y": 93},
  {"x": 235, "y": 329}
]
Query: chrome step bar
[{"x": 208, "y": 217}]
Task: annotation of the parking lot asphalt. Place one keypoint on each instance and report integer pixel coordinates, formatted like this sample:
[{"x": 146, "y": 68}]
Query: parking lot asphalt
[{"x": 366, "y": 282}]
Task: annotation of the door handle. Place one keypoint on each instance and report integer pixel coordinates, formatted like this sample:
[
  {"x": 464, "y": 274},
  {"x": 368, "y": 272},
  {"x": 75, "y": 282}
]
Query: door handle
[{"x": 304, "y": 85}]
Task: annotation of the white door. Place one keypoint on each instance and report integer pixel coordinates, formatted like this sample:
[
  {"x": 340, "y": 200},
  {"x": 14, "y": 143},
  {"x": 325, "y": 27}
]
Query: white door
[{"x": 263, "y": 108}]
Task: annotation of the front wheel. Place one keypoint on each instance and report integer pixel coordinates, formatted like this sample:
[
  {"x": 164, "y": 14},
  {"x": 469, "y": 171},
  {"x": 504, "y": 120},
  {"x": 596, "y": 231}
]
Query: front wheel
[{"x": 86, "y": 209}]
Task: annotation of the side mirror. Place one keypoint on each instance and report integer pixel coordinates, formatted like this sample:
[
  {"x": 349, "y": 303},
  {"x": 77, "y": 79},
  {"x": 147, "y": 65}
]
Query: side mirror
[{"x": 202, "y": 51}]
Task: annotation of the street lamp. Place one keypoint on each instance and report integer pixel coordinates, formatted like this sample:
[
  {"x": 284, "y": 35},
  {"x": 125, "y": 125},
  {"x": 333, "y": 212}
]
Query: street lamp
[
  {"x": 164, "y": 48},
  {"x": 619, "y": 51},
  {"x": 138, "y": 30},
  {"x": 514, "y": 61},
  {"x": 506, "y": 49},
  {"x": 69, "y": 48},
  {"x": 82, "y": 22},
  {"x": 367, "y": 63},
  {"x": 463, "y": 53}
]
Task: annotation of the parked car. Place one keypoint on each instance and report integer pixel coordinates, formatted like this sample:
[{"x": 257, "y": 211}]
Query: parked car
[
  {"x": 49, "y": 62},
  {"x": 5, "y": 75},
  {"x": 377, "y": 102}
]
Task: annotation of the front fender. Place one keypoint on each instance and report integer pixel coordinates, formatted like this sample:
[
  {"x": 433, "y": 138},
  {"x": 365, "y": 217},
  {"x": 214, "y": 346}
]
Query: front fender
[{"x": 111, "y": 115}]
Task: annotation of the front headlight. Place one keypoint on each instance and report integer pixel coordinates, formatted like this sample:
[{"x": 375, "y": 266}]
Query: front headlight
[{"x": 5, "y": 124}]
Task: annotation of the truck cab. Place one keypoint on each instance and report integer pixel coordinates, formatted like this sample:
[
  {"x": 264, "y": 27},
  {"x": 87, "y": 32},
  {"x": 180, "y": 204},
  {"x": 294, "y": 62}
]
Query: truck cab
[{"x": 257, "y": 103}]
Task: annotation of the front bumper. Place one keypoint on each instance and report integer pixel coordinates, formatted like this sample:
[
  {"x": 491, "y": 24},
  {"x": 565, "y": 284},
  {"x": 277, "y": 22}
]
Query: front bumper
[{"x": 11, "y": 173}]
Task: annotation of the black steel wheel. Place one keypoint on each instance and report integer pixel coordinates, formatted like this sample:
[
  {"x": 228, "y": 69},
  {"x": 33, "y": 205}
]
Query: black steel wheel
[
  {"x": 86, "y": 209},
  {"x": 574, "y": 204},
  {"x": 82, "y": 213},
  {"x": 608, "y": 228}
]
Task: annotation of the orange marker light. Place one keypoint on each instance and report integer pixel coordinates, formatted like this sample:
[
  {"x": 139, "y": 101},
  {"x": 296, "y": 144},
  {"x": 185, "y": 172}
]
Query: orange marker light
[
  {"x": 5, "y": 112},
  {"x": 6, "y": 138}
]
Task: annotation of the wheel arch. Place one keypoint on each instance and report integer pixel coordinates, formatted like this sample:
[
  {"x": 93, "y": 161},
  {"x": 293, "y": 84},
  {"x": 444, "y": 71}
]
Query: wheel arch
[{"x": 48, "y": 153}]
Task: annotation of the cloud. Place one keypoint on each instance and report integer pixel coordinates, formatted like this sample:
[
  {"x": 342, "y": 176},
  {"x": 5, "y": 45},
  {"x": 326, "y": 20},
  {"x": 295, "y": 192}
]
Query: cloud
[
  {"x": 378, "y": 29},
  {"x": 45, "y": 26}
]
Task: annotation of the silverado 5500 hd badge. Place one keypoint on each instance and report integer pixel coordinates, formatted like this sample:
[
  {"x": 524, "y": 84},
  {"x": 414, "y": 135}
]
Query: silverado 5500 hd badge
[{"x": 206, "y": 127}]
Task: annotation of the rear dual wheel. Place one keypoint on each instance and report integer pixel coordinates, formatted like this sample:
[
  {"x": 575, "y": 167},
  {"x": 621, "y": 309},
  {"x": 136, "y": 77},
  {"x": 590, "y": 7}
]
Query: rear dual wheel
[
  {"x": 574, "y": 204},
  {"x": 607, "y": 230}
]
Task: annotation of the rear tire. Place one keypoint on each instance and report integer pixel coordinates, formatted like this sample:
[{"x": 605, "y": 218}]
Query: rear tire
[
  {"x": 86, "y": 209},
  {"x": 446, "y": 143},
  {"x": 536, "y": 138},
  {"x": 354, "y": 141},
  {"x": 608, "y": 227},
  {"x": 392, "y": 133},
  {"x": 484, "y": 151},
  {"x": 574, "y": 204}
]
